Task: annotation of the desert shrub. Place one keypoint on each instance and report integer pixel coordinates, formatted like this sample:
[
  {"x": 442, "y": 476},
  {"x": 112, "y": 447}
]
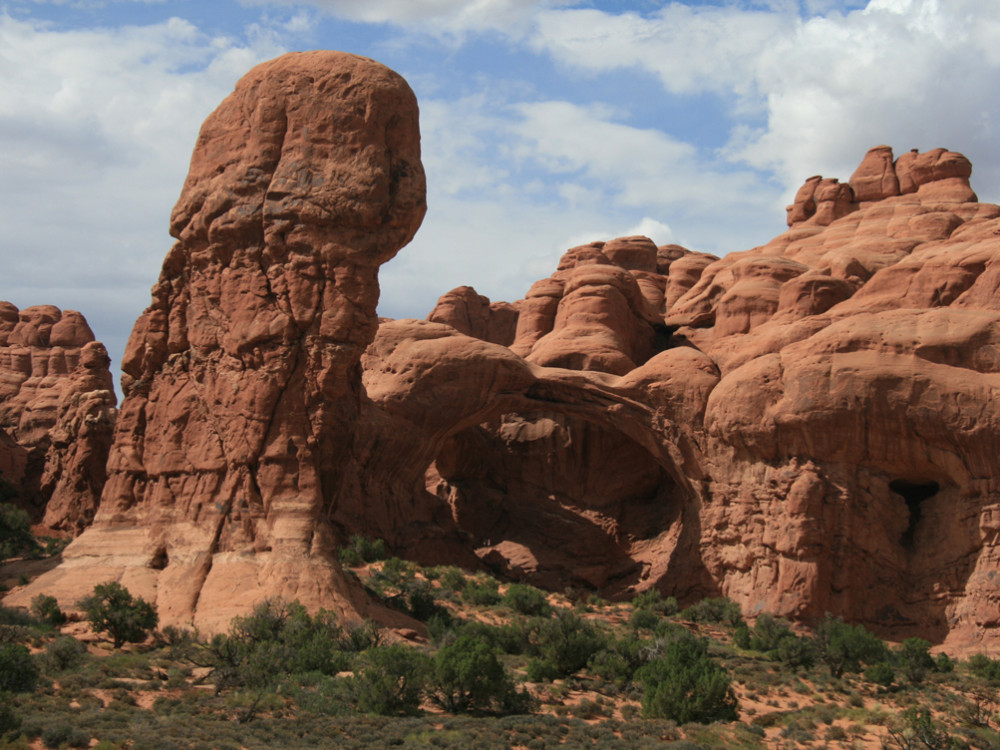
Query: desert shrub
[
  {"x": 421, "y": 602},
  {"x": 278, "y": 638},
  {"x": 742, "y": 637},
  {"x": 718, "y": 610},
  {"x": 542, "y": 670},
  {"x": 10, "y": 722},
  {"x": 452, "y": 578},
  {"x": 881, "y": 673},
  {"x": 392, "y": 680},
  {"x": 618, "y": 662},
  {"x": 365, "y": 636},
  {"x": 46, "y": 608},
  {"x": 643, "y": 619},
  {"x": 15, "y": 528},
  {"x": 481, "y": 592},
  {"x": 913, "y": 657},
  {"x": 527, "y": 600},
  {"x": 113, "y": 609},
  {"x": 943, "y": 663},
  {"x": 467, "y": 677},
  {"x": 360, "y": 550},
  {"x": 18, "y": 670},
  {"x": 64, "y": 653},
  {"x": 773, "y": 636},
  {"x": 65, "y": 735},
  {"x": 916, "y": 729},
  {"x": 685, "y": 685},
  {"x": 844, "y": 648},
  {"x": 566, "y": 641},
  {"x": 653, "y": 600}
]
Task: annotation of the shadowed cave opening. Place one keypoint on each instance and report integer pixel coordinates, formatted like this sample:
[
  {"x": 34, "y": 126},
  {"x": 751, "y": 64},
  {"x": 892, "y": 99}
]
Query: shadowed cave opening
[
  {"x": 573, "y": 494},
  {"x": 914, "y": 493}
]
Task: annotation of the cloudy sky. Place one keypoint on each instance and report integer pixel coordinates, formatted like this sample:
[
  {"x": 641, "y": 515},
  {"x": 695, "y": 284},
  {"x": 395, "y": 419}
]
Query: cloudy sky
[{"x": 546, "y": 123}]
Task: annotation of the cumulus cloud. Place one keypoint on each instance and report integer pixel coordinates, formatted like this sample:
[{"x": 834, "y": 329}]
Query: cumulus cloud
[
  {"x": 825, "y": 78},
  {"x": 437, "y": 17},
  {"x": 97, "y": 127}
]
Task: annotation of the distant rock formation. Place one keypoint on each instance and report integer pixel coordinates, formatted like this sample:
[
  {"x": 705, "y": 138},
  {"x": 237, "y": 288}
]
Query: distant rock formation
[
  {"x": 809, "y": 426},
  {"x": 57, "y": 414}
]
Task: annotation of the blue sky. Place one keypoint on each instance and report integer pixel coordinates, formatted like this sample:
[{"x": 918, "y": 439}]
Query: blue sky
[{"x": 545, "y": 123}]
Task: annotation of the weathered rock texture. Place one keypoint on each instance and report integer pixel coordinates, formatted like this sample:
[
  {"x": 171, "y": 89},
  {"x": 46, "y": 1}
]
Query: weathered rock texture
[
  {"x": 57, "y": 413},
  {"x": 241, "y": 381},
  {"x": 808, "y": 426}
]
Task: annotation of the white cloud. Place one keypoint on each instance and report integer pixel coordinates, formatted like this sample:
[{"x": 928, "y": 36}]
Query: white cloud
[
  {"x": 828, "y": 84},
  {"x": 698, "y": 49},
  {"x": 97, "y": 127},
  {"x": 435, "y": 17}
]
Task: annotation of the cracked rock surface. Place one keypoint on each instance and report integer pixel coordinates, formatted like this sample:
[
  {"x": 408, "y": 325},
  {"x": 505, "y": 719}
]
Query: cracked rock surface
[{"x": 242, "y": 380}]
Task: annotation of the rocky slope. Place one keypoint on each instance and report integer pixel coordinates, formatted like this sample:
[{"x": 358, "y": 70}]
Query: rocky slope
[
  {"x": 57, "y": 413},
  {"x": 807, "y": 426}
]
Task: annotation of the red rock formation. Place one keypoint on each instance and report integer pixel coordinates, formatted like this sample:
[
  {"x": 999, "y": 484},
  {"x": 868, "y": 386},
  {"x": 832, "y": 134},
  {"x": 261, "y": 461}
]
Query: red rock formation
[
  {"x": 57, "y": 412},
  {"x": 826, "y": 441},
  {"x": 808, "y": 426},
  {"x": 242, "y": 378}
]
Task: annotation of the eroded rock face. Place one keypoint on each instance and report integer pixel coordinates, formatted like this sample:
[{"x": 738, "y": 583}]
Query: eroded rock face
[
  {"x": 819, "y": 431},
  {"x": 807, "y": 426},
  {"x": 57, "y": 412},
  {"x": 242, "y": 380}
]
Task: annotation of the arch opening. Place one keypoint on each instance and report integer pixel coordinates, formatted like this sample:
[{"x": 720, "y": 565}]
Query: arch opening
[{"x": 555, "y": 498}]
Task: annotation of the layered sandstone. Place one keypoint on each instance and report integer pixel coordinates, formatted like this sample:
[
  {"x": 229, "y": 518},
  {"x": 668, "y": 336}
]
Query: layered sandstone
[
  {"x": 807, "y": 426},
  {"x": 57, "y": 413},
  {"x": 241, "y": 381}
]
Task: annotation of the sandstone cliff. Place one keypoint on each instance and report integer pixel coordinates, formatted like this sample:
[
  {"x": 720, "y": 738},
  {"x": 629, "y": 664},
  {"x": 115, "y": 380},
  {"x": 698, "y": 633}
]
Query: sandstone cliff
[
  {"x": 807, "y": 426},
  {"x": 241, "y": 380},
  {"x": 57, "y": 413}
]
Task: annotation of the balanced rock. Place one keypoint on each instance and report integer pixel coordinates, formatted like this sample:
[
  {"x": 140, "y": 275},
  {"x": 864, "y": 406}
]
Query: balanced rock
[
  {"x": 57, "y": 412},
  {"x": 242, "y": 380}
]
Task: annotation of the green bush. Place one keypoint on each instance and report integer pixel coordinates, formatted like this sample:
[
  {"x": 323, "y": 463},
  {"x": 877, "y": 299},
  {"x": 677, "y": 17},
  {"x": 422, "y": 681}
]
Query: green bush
[
  {"x": 113, "y": 609},
  {"x": 683, "y": 684},
  {"x": 566, "y": 641},
  {"x": 643, "y": 619},
  {"x": 943, "y": 664},
  {"x": 277, "y": 639},
  {"x": 619, "y": 661},
  {"x": 46, "y": 608},
  {"x": 18, "y": 670},
  {"x": 64, "y": 735},
  {"x": 64, "y": 653},
  {"x": 913, "y": 657},
  {"x": 360, "y": 550},
  {"x": 15, "y": 529},
  {"x": 719, "y": 610},
  {"x": 653, "y": 600},
  {"x": 844, "y": 648},
  {"x": 481, "y": 592},
  {"x": 392, "y": 680},
  {"x": 527, "y": 600},
  {"x": 881, "y": 673},
  {"x": 10, "y": 722},
  {"x": 468, "y": 677}
]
